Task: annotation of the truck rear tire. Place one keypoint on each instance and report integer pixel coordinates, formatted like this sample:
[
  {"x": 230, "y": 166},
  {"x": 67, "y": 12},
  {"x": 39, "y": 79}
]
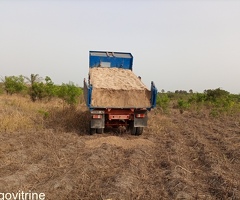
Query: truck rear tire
[
  {"x": 100, "y": 130},
  {"x": 139, "y": 130},
  {"x": 91, "y": 130},
  {"x": 132, "y": 129}
]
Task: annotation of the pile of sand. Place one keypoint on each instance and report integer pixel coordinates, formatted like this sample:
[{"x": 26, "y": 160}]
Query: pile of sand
[{"x": 116, "y": 87}]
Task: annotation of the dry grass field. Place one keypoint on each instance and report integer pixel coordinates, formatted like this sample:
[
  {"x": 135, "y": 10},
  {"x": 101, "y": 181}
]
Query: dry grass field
[{"x": 45, "y": 148}]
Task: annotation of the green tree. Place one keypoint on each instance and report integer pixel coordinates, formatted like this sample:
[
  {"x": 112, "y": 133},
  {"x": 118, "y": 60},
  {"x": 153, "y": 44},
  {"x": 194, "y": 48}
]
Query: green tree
[
  {"x": 14, "y": 84},
  {"x": 213, "y": 95},
  {"x": 163, "y": 101},
  {"x": 183, "y": 105},
  {"x": 50, "y": 88},
  {"x": 69, "y": 93},
  {"x": 36, "y": 90},
  {"x": 33, "y": 78}
]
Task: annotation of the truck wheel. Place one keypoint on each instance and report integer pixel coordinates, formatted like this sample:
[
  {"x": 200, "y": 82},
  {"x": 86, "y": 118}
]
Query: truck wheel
[
  {"x": 100, "y": 130},
  {"x": 91, "y": 130},
  {"x": 132, "y": 128},
  {"x": 139, "y": 130}
]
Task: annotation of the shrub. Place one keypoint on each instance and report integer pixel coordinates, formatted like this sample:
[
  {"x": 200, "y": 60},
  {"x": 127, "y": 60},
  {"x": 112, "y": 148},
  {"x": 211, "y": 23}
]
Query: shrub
[
  {"x": 1, "y": 88},
  {"x": 163, "y": 101},
  {"x": 50, "y": 89},
  {"x": 36, "y": 87},
  {"x": 213, "y": 95},
  {"x": 197, "y": 100},
  {"x": 183, "y": 105},
  {"x": 69, "y": 93},
  {"x": 14, "y": 84},
  {"x": 37, "y": 91}
]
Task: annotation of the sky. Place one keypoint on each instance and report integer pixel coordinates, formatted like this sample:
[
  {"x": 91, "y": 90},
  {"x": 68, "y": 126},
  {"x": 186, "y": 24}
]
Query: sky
[{"x": 178, "y": 44}]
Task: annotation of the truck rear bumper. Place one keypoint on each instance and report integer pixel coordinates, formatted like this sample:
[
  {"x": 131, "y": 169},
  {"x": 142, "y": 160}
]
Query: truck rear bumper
[{"x": 118, "y": 117}]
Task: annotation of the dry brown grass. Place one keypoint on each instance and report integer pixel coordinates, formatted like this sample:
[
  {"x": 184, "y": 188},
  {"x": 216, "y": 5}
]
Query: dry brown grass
[
  {"x": 45, "y": 148},
  {"x": 18, "y": 113}
]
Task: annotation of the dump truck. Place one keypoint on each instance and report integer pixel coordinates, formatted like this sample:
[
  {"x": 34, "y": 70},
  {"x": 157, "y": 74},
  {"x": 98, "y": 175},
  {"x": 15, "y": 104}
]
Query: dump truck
[{"x": 115, "y": 96}]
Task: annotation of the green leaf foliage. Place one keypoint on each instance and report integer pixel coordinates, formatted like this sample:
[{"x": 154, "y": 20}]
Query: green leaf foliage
[
  {"x": 14, "y": 84},
  {"x": 214, "y": 95},
  {"x": 69, "y": 93},
  {"x": 183, "y": 105},
  {"x": 163, "y": 101},
  {"x": 50, "y": 88}
]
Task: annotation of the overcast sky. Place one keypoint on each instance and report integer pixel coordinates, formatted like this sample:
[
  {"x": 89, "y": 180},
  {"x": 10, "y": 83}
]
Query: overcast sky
[{"x": 179, "y": 44}]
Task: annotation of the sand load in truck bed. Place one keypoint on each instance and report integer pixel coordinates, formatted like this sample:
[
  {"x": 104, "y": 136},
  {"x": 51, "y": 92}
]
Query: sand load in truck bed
[{"x": 118, "y": 88}]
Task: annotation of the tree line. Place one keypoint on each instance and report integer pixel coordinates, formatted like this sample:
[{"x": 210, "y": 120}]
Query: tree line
[
  {"x": 39, "y": 88},
  {"x": 218, "y": 101}
]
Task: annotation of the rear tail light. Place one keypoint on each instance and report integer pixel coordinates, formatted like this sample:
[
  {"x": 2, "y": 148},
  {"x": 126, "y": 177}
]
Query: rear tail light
[
  {"x": 97, "y": 116},
  {"x": 140, "y": 115}
]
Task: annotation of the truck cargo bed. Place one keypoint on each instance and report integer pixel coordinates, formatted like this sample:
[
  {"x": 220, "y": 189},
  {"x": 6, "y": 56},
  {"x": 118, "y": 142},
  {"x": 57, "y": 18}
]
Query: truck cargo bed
[{"x": 117, "y": 88}]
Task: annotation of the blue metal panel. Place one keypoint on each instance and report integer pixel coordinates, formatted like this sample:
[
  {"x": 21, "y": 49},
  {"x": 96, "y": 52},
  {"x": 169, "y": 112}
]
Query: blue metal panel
[
  {"x": 153, "y": 95},
  {"x": 87, "y": 94},
  {"x": 110, "y": 59}
]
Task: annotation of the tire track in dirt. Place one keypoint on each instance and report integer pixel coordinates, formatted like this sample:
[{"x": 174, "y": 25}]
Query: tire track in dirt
[
  {"x": 207, "y": 150},
  {"x": 169, "y": 167},
  {"x": 134, "y": 163}
]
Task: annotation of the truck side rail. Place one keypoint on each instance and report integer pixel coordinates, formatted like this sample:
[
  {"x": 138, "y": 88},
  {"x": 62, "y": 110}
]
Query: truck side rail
[
  {"x": 88, "y": 96},
  {"x": 153, "y": 95},
  {"x": 87, "y": 93}
]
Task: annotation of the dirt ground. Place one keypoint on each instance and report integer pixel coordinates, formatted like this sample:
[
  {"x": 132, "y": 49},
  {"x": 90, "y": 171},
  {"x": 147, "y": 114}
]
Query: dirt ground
[{"x": 179, "y": 156}]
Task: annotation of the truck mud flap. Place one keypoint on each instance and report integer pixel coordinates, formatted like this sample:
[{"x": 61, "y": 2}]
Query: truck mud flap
[
  {"x": 97, "y": 119},
  {"x": 140, "y": 118}
]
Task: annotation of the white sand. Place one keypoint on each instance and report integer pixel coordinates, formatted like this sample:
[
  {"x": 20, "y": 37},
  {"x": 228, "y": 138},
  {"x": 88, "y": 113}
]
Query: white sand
[{"x": 115, "y": 87}]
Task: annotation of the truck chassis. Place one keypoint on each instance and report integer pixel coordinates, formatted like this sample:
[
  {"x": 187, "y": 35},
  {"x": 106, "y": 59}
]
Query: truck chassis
[{"x": 133, "y": 119}]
